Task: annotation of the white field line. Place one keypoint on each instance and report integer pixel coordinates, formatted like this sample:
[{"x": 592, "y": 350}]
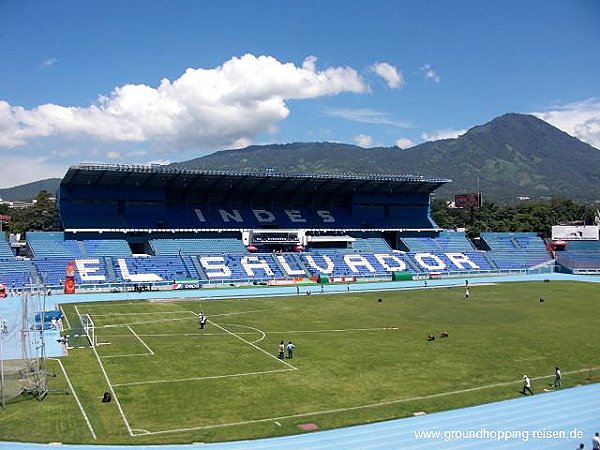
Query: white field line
[
  {"x": 335, "y": 330},
  {"x": 126, "y": 355},
  {"x": 263, "y": 335},
  {"x": 236, "y": 313},
  {"x": 141, "y": 313},
  {"x": 261, "y": 332},
  {"x": 170, "y": 335},
  {"x": 258, "y": 330},
  {"x": 114, "y": 395},
  {"x": 116, "y": 325},
  {"x": 354, "y": 408},
  {"x": 120, "y": 304},
  {"x": 87, "y": 420},
  {"x": 77, "y": 311},
  {"x": 252, "y": 345},
  {"x": 213, "y": 377},
  {"x": 66, "y": 318},
  {"x": 140, "y": 339}
]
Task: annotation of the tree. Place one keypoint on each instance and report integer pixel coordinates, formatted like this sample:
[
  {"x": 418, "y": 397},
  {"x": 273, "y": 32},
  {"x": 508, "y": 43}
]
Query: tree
[
  {"x": 538, "y": 217},
  {"x": 41, "y": 216}
]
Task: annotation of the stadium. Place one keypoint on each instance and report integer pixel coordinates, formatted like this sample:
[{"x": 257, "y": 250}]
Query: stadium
[{"x": 110, "y": 305}]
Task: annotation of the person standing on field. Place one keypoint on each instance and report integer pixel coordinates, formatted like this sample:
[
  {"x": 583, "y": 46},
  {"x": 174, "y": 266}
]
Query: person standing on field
[
  {"x": 290, "y": 350},
  {"x": 558, "y": 379},
  {"x": 526, "y": 385},
  {"x": 281, "y": 349},
  {"x": 202, "y": 320}
]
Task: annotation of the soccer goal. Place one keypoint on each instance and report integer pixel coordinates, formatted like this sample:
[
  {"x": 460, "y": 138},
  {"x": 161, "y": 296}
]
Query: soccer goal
[{"x": 83, "y": 334}]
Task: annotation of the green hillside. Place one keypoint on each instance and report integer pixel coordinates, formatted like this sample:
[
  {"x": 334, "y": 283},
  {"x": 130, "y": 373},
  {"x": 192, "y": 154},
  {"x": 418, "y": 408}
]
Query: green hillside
[
  {"x": 26, "y": 192},
  {"x": 512, "y": 156}
]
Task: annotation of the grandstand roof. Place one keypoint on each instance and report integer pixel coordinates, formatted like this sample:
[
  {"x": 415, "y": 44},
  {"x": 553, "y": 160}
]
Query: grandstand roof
[{"x": 165, "y": 177}]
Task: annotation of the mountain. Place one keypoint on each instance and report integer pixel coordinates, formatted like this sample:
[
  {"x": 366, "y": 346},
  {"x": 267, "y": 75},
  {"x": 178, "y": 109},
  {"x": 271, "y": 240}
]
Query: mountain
[
  {"x": 514, "y": 155},
  {"x": 26, "y": 192}
]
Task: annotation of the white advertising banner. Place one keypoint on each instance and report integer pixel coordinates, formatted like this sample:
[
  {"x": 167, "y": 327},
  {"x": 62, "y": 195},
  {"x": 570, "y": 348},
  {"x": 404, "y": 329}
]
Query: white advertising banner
[{"x": 571, "y": 233}]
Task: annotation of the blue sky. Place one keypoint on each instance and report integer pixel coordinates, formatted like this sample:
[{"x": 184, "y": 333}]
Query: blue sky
[{"x": 137, "y": 82}]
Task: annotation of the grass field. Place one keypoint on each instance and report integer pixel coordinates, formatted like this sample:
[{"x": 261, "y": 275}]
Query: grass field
[{"x": 356, "y": 360}]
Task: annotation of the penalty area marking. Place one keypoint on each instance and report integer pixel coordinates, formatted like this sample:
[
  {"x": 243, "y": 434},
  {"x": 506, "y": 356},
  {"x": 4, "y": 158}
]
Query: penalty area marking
[
  {"x": 140, "y": 339},
  {"x": 253, "y": 345},
  {"x": 212, "y": 377},
  {"x": 76, "y": 397},
  {"x": 141, "y": 313},
  {"x": 116, "y": 325},
  {"x": 261, "y": 332},
  {"x": 170, "y": 335},
  {"x": 346, "y": 330},
  {"x": 354, "y": 408}
]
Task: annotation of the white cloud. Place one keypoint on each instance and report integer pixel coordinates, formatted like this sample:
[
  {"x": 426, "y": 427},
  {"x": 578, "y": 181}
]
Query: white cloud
[
  {"x": 363, "y": 140},
  {"x": 113, "y": 154},
  {"x": 64, "y": 152},
  {"x": 447, "y": 133},
  {"x": 580, "y": 119},
  {"x": 404, "y": 143},
  {"x": 8, "y": 127},
  {"x": 389, "y": 73},
  {"x": 160, "y": 162},
  {"x": 226, "y": 106},
  {"x": 429, "y": 73},
  {"x": 48, "y": 62},
  {"x": 27, "y": 169},
  {"x": 367, "y": 115}
]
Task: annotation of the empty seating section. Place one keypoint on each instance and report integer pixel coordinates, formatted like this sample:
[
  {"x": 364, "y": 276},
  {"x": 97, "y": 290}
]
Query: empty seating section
[
  {"x": 445, "y": 242},
  {"x": 14, "y": 272},
  {"x": 5, "y": 251},
  {"x": 256, "y": 267},
  {"x": 78, "y": 249},
  {"x": 52, "y": 271},
  {"x": 579, "y": 261},
  {"x": 516, "y": 251},
  {"x": 529, "y": 242},
  {"x": 236, "y": 217},
  {"x": 371, "y": 245},
  {"x": 167, "y": 268},
  {"x": 227, "y": 260},
  {"x": 54, "y": 249},
  {"x": 454, "y": 242},
  {"x": 586, "y": 246},
  {"x": 108, "y": 247},
  {"x": 159, "y": 216},
  {"x": 424, "y": 244},
  {"x": 197, "y": 246},
  {"x": 518, "y": 261},
  {"x": 165, "y": 246},
  {"x": 436, "y": 261},
  {"x": 499, "y": 241},
  {"x": 338, "y": 264},
  {"x": 580, "y": 257}
]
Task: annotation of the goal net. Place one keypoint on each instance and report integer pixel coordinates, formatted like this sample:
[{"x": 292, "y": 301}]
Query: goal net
[{"x": 83, "y": 334}]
